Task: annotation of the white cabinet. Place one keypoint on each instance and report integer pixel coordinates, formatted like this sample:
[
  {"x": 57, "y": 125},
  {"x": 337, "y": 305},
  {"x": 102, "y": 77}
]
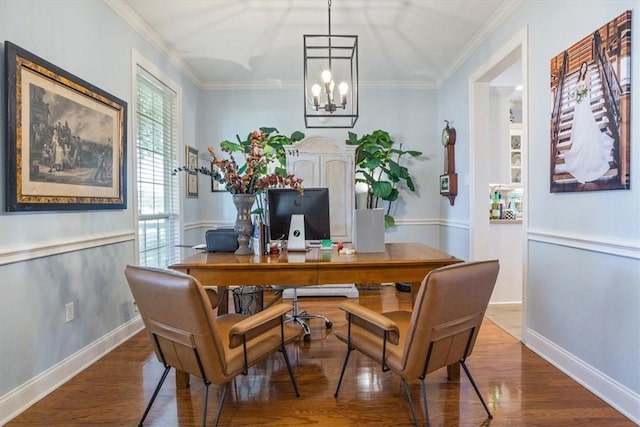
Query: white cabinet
[{"x": 321, "y": 162}]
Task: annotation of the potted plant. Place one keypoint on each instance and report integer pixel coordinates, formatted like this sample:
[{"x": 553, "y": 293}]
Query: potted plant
[
  {"x": 263, "y": 166},
  {"x": 377, "y": 163}
]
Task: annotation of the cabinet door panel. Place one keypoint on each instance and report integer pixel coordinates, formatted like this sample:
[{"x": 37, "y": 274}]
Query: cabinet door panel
[{"x": 321, "y": 162}]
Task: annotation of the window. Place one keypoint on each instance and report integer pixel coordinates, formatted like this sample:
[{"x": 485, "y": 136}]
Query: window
[{"x": 156, "y": 149}]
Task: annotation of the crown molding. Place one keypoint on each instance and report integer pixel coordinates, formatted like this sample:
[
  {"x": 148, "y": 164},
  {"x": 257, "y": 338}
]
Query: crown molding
[
  {"x": 140, "y": 26},
  {"x": 498, "y": 17},
  {"x": 299, "y": 84}
]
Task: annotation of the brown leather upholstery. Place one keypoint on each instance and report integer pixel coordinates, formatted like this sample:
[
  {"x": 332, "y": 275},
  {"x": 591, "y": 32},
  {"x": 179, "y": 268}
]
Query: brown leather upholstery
[
  {"x": 441, "y": 330},
  {"x": 187, "y": 335}
]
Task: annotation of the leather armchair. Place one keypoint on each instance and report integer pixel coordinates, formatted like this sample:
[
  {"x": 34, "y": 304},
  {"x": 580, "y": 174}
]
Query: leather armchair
[
  {"x": 440, "y": 331},
  {"x": 186, "y": 334}
]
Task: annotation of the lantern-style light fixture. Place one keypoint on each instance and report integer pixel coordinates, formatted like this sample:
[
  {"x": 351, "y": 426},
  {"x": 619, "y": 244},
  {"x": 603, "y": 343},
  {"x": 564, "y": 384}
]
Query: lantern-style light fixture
[{"x": 327, "y": 59}]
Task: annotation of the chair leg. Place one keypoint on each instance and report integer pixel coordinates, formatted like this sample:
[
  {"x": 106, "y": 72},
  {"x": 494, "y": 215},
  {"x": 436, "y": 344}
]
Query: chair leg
[
  {"x": 413, "y": 410},
  {"x": 206, "y": 401},
  {"x": 224, "y": 394},
  {"x": 283, "y": 350},
  {"x": 473, "y": 383},
  {"x": 155, "y": 394},
  {"x": 424, "y": 401},
  {"x": 344, "y": 366}
]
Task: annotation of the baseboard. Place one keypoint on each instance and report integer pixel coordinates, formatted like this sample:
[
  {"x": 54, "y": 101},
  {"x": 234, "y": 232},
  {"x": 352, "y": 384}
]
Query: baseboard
[
  {"x": 21, "y": 398},
  {"x": 626, "y": 401}
]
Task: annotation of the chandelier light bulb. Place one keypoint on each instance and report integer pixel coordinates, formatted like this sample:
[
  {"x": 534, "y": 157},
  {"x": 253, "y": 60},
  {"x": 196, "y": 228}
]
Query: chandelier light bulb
[
  {"x": 326, "y": 76},
  {"x": 315, "y": 90},
  {"x": 343, "y": 88}
]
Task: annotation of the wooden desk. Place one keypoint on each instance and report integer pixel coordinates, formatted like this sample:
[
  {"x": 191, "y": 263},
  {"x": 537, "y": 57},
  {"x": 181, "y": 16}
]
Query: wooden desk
[{"x": 400, "y": 262}]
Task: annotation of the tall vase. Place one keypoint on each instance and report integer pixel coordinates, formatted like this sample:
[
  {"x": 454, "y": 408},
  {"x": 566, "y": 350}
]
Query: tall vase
[{"x": 244, "y": 228}]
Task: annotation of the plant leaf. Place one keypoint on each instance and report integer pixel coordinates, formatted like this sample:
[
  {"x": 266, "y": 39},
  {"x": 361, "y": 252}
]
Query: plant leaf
[
  {"x": 410, "y": 184},
  {"x": 389, "y": 221},
  {"x": 296, "y": 136},
  {"x": 268, "y": 130},
  {"x": 381, "y": 189}
]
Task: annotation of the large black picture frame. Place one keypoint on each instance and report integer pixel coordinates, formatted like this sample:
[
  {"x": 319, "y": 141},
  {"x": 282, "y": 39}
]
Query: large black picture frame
[{"x": 66, "y": 139}]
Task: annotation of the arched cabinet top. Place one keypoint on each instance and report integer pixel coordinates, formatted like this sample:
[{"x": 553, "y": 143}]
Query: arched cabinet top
[{"x": 320, "y": 144}]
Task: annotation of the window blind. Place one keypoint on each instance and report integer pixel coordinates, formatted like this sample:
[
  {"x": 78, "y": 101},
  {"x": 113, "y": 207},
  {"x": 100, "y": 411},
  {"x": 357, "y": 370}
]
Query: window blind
[{"x": 158, "y": 195}]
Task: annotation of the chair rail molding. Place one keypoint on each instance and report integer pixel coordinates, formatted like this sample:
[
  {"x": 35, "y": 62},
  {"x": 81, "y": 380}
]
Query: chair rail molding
[
  {"x": 22, "y": 253},
  {"x": 619, "y": 247}
]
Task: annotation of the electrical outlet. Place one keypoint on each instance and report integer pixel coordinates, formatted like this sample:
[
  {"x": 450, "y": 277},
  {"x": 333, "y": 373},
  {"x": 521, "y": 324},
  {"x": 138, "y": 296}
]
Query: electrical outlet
[
  {"x": 69, "y": 314},
  {"x": 135, "y": 307}
]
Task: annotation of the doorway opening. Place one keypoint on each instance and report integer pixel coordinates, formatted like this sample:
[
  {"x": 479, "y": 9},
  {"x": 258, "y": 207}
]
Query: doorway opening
[{"x": 497, "y": 113}]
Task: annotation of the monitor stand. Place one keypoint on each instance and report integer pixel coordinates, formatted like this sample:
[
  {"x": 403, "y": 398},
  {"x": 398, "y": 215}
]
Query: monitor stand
[{"x": 296, "y": 239}]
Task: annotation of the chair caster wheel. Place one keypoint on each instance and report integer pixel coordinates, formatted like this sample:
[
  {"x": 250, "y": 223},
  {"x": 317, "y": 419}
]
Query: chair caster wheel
[
  {"x": 307, "y": 338},
  {"x": 328, "y": 325}
]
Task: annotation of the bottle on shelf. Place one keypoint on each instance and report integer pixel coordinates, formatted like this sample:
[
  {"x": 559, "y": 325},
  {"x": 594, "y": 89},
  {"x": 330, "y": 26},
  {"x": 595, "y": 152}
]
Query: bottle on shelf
[{"x": 495, "y": 206}]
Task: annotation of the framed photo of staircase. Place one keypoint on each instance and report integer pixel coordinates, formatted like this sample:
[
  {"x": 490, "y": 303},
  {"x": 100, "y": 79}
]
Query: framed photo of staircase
[{"x": 591, "y": 116}]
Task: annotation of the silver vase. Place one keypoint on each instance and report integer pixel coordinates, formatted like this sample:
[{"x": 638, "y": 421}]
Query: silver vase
[{"x": 244, "y": 228}]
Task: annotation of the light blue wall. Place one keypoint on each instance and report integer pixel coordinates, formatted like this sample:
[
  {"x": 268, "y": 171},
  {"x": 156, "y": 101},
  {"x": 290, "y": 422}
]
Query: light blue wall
[
  {"x": 583, "y": 274},
  {"x": 582, "y": 299},
  {"x": 48, "y": 259},
  {"x": 409, "y": 115}
]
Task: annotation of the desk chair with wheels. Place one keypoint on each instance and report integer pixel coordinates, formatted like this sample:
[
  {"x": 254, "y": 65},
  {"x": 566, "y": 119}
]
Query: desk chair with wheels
[
  {"x": 440, "y": 331},
  {"x": 299, "y": 316}
]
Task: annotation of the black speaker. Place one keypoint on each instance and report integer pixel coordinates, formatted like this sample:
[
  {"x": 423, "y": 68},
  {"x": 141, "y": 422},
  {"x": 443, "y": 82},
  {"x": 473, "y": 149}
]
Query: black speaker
[{"x": 221, "y": 240}]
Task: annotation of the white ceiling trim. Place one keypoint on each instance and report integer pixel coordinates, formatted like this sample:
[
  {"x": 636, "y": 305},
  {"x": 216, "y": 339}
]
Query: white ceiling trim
[
  {"x": 132, "y": 18},
  {"x": 142, "y": 28},
  {"x": 494, "y": 22},
  {"x": 299, "y": 84}
]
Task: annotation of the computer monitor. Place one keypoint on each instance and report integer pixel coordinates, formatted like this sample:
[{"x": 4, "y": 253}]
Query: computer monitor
[{"x": 282, "y": 203}]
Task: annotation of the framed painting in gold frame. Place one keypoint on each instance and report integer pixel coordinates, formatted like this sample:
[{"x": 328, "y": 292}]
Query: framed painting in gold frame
[{"x": 66, "y": 139}]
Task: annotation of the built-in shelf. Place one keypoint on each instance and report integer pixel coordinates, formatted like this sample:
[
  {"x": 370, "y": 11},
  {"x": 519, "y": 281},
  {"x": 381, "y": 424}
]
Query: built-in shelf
[
  {"x": 505, "y": 221},
  {"x": 515, "y": 153}
]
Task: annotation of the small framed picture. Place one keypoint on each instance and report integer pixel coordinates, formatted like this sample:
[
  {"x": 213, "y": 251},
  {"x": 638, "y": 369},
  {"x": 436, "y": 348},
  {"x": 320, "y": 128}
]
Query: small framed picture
[
  {"x": 216, "y": 187},
  {"x": 191, "y": 156},
  {"x": 449, "y": 186},
  {"x": 444, "y": 184}
]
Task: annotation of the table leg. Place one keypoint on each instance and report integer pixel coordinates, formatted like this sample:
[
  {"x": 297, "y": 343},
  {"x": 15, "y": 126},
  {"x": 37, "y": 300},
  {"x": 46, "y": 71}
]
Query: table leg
[
  {"x": 182, "y": 379},
  {"x": 223, "y": 302},
  {"x": 453, "y": 371}
]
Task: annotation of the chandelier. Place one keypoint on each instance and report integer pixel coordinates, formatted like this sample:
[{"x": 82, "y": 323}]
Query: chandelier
[{"x": 327, "y": 59}]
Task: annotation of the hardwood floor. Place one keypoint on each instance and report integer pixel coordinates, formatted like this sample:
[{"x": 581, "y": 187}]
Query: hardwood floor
[
  {"x": 507, "y": 317},
  {"x": 520, "y": 388}
]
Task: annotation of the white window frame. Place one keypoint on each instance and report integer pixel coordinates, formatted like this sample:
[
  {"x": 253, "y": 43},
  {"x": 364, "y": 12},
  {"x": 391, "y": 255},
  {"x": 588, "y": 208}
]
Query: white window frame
[{"x": 139, "y": 61}]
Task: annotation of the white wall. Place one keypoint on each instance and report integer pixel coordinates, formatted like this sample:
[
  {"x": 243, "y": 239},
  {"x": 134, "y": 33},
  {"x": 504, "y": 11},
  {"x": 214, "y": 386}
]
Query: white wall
[
  {"x": 48, "y": 259},
  {"x": 582, "y": 295}
]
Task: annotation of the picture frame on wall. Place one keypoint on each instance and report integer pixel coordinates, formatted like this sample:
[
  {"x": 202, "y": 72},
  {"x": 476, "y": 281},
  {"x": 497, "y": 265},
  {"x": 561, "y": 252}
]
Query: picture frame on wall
[
  {"x": 191, "y": 156},
  {"x": 591, "y": 116},
  {"x": 444, "y": 184},
  {"x": 66, "y": 139},
  {"x": 216, "y": 187}
]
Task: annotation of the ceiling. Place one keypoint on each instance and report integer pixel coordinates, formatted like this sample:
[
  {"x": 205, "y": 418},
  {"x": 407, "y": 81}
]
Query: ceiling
[{"x": 258, "y": 43}]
